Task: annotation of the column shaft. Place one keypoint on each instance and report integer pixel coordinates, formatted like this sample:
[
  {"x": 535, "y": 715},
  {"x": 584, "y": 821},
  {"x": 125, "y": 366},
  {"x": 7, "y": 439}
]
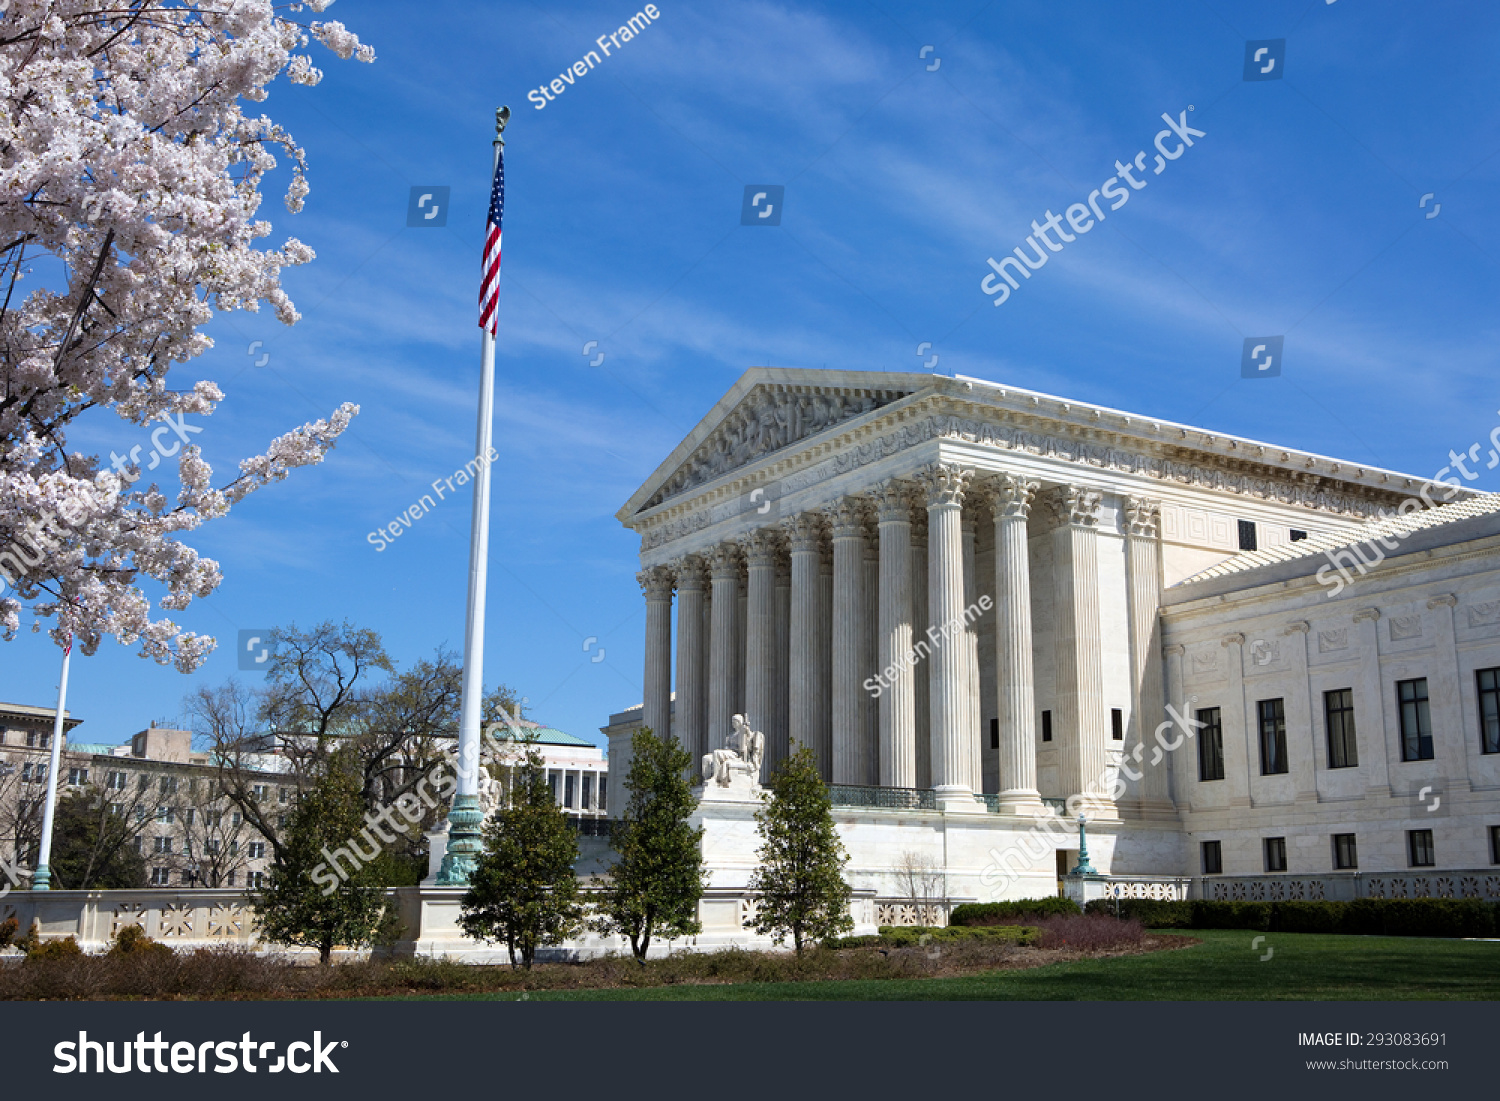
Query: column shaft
[
  {"x": 760, "y": 633},
  {"x": 1148, "y": 704},
  {"x": 897, "y": 700},
  {"x": 848, "y": 613},
  {"x": 723, "y": 655},
  {"x": 805, "y": 534},
  {"x": 1014, "y": 674},
  {"x": 945, "y": 486},
  {"x": 656, "y": 713},
  {"x": 920, "y": 674},
  {"x": 692, "y": 673}
]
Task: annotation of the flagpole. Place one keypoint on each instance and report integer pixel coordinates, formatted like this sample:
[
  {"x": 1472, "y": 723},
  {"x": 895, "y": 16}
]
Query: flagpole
[
  {"x": 465, "y": 818},
  {"x": 41, "y": 879}
]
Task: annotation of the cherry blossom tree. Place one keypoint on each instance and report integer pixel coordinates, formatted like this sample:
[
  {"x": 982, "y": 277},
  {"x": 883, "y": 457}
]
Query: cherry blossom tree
[{"x": 130, "y": 178}]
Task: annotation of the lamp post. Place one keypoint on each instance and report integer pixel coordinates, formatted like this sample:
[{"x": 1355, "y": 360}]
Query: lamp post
[
  {"x": 1083, "y": 867},
  {"x": 41, "y": 879}
]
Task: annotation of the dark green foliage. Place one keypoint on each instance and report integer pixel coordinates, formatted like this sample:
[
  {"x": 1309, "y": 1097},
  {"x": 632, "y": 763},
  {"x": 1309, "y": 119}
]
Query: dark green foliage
[
  {"x": 132, "y": 939},
  {"x": 40, "y": 951},
  {"x": 93, "y": 847},
  {"x": 993, "y": 913},
  {"x": 304, "y": 903},
  {"x": 8, "y": 929},
  {"x": 654, "y": 886},
  {"x": 523, "y": 890},
  {"x": 800, "y": 879},
  {"x": 1399, "y": 917}
]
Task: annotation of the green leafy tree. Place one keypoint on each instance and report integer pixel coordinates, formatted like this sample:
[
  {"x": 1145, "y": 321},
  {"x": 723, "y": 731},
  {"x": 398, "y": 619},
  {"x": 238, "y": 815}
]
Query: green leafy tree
[
  {"x": 800, "y": 878},
  {"x": 306, "y": 904},
  {"x": 523, "y": 890},
  {"x": 94, "y": 844},
  {"x": 654, "y": 886}
]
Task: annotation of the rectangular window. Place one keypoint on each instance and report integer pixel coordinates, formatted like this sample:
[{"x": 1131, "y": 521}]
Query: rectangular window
[
  {"x": 588, "y": 792},
  {"x": 37, "y": 740},
  {"x": 1419, "y": 848},
  {"x": 78, "y": 776},
  {"x": 569, "y": 786},
  {"x": 211, "y": 846},
  {"x": 1247, "y": 536},
  {"x": 168, "y": 785},
  {"x": 215, "y": 818},
  {"x": 1338, "y": 714},
  {"x": 994, "y": 733},
  {"x": 255, "y": 879},
  {"x": 1345, "y": 856},
  {"x": 1416, "y": 722},
  {"x": 1117, "y": 724},
  {"x": 164, "y": 814},
  {"x": 1276, "y": 854},
  {"x": 282, "y": 795},
  {"x": 1213, "y": 858},
  {"x": 1272, "y": 715},
  {"x": 188, "y": 815},
  {"x": 115, "y": 781},
  {"x": 161, "y": 877},
  {"x": 234, "y": 848},
  {"x": 1298, "y": 535},
  {"x": 143, "y": 783},
  {"x": 258, "y": 792},
  {"x": 1489, "y": 710},
  {"x": 256, "y": 849},
  {"x": 603, "y": 785},
  {"x": 163, "y": 845},
  {"x": 1046, "y": 726},
  {"x": 552, "y": 784},
  {"x": 231, "y": 879},
  {"x": 140, "y": 814},
  {"x": 234, "y": 820},
  {"x": 1495, "y": 844},
  {"x": 1210, "y": 745}
]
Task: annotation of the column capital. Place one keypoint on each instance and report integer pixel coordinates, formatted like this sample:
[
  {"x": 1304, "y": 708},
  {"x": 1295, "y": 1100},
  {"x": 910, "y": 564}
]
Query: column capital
[
  {"x": 894, "y": 501},
  {"x": 656, "y": 582},
  {"x": 944, "y": 483},
  {"x": 804, "y": 532},
  {"x": 1073, "y": 506},
  {"x": 1299, "y": 627},
  {"x": 692, "y": 573},
  {"x": 1175, "y": 650},
  {"x": 1371, "y": 614},
  {"x": 1443, "y": 600},
  {"x": 724, "y": 562},
  {"x": 847, "y": 516},
  {"x": 1236, "y": 639},
  {"x": 762, "y": 547},
  {"x": 1142, "y": 517},
  {"x": 1012, "y": 496}
]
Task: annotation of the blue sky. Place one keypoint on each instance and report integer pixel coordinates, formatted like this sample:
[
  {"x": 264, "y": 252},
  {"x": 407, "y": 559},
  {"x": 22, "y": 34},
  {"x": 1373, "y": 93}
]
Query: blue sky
[{"x": 1298, "y": 214}]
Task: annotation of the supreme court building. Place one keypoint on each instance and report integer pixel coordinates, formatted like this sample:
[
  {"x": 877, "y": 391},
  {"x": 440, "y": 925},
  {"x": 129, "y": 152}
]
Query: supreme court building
[{"x": 983, "y": 608}]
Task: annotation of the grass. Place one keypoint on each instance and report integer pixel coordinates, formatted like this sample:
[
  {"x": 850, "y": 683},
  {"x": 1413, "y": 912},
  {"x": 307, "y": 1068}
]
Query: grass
[{"x": 1224, "y": 966}]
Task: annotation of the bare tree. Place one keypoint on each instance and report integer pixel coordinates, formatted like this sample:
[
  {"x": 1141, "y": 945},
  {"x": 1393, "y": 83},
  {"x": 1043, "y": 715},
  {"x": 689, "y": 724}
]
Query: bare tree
[{"x": 924, "y": 881}]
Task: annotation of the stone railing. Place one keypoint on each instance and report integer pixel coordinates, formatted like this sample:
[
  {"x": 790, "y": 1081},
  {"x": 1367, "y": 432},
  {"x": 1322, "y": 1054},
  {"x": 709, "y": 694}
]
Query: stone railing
[
  {"x": 1158, "y": 887},
  {"x": 189, "y": 918},
  {"x": 905, "y": 911},
  {"x": 1463, "y": 883},
  {"x": 855, "y": 795}
]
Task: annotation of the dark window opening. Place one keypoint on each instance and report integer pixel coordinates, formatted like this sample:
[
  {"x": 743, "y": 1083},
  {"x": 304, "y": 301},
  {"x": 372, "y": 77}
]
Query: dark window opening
[
  {"x": 1489, "y": 710},
  {"x": 1117, "y": 724},
  {"x": 1247, "y": 536},
  {"x": 1298, "y": 535},
  {"x": 1046, "y": 726},
  {"x": 1213, "y": 858},
  {"x": 1210, "y": 745},
  {"x": 1419, "y": 848},
  {"x": 1272, "y": 715},
  {"x": 1416, "y": 720},
  {"x": 1338, "y": 713},
  {"x": 1345, "y": 856},
  {"x": 1276, "y": 854}
]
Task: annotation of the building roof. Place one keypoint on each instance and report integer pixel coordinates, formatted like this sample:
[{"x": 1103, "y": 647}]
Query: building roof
[
  {"x": 98, "y": 749},
  {"x": 1390, "y": 528},
  {"x": 545, "y": 735},
  {"x": 25, "y": 713}
]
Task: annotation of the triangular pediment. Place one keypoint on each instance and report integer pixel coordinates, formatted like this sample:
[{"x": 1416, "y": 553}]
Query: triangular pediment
[{"x": 769, "y": 410}]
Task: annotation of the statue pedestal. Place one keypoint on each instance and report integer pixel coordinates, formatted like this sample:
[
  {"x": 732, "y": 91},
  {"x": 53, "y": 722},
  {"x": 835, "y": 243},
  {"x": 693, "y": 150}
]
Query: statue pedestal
[{"x": 743, "y": 787}]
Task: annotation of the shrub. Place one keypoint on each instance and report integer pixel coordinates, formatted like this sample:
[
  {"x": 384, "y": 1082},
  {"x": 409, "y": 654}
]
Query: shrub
[
  {"x": 132, "y": 940},
  {"x": 65, "y": 948},
  {"x": 1374, "y": 917},
  {"x": 912, "y": 936},
  {"x": 8, "y": 930},
  {"x": 994, "y": 913},
  {"x": 1309, "y": 917},
  {"x": 1151, "y": 912},
  {"x": 1089, "y": 932}
]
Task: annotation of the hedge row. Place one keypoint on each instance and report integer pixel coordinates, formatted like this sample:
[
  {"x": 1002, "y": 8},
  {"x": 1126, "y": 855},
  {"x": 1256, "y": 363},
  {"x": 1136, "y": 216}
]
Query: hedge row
[
  {"x": 909, "y": 936},
  {"x": 993, "y": 913},
  {"x": 1390, "y": 917}
]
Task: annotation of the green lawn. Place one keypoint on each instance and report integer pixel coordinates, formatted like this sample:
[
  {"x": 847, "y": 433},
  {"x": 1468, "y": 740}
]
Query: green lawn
[{"x": 1224, "y": 967}]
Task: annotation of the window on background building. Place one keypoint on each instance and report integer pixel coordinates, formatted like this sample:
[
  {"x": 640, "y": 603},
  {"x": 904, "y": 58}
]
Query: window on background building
[
  {"x": 1116, "y": 725},
  {"x": 1489, "y": 710},
  {"x": 255, "y": 850},
  {"x": 234, "y": 820},
  {"x": 1338, "y": 715},
  {"x": 588, "y": 793},
  {"x": 1272, "y": 717},
  {"x": 1046, "y": 726},
  {"x": 552, "y": 784},
  {"x": 234, "y": 848},
  {"x": 1247, "y": 536},
  {"x": 164, "y": 814},
  {"x": 168, "y": 785},
  {"x": 603, "y": 786},
  {"x": 1419, "y": 850},
  {"x": 140, "y": 814},
  {"x": 37, "y": 740},
  {"x": 161, "y": 877},
  {"x": 569, "y": 782},
  {"x": 211, "y": 846},
  {"x": 281, "y": 821},
  {"x": 140, "y": 844},
  {"x": 255, "y": 879},
  {"x": 1495, "y": 844},
  {"x": 188, "y": 815},
  {"x": 163, "y": 845},
  {"x": 1210, "y": 745},
  {"x": 144, "y": 782},
  {"x": 1276, "y": 854},
  {"x": 282, "y": 795},
  {"x": 231, "y": 879},
  {"x": 1345, "y": 855},
  {"x": 187, "y": 846},
  {"x": 258, "y": 792},
  {"x": 115, "y": 781},
  {"x": 1213, "y": 857},
  {"x": 78, "y": 776},
  {"x": 1416, "y": 722},
  {"x": 213, "y": 818}
]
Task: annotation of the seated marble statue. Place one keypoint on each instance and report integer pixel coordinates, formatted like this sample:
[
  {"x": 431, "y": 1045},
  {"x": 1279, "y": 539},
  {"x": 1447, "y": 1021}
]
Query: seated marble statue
[{"x": 741, "y": 755}]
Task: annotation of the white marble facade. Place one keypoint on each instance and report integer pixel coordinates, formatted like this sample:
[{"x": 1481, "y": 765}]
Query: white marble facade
[{"x": 817, "y": 526}]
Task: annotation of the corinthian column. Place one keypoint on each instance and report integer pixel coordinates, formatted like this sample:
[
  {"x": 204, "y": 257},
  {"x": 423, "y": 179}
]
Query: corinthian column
[
  {"x": 656, "y": 713},
  {"x": 919, "y": 624},
  {"x": 848, "y": 615},
  {"x": 804, "y": 533},
  {"x": 897, "y": 700},
  {"x": 1082, "y": 723},
  {"x": 692, "y": 675},
  {"x": 724, "y": 563},
  {"x": 944, "y": 485},
  {"x": 823, "y": 745},
  {"x": 973, "y": 746},
  {"x": 869, "y": 653},
  {"x": 1014, "y": 676},
  {"x": 760, "y": 632},
  {"x": 777, "y": 735},
  {"x": 1148, "y": 702}
]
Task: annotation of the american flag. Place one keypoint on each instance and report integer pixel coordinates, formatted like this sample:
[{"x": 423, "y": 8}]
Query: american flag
[{"x": 489, "y": 285}]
